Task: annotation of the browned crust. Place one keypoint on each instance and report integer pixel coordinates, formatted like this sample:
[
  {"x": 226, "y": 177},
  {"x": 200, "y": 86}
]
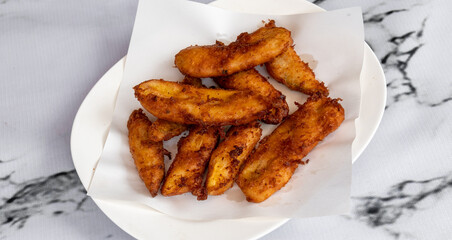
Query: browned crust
[
  {"x": 275, "y": 160},
  {"x": 186, "y": 172},
  {"x": 251, "y": 80},
  {"x": 229, "y": 156},
  {"x": 163, "y": 130},
  {"x": 290, "y": 70},
  {"x": 186, "y": 104},
  {"x": 147, "y": 154},
  {"x": 249, "y": 50},
  {"x": 196, "y": 82}
]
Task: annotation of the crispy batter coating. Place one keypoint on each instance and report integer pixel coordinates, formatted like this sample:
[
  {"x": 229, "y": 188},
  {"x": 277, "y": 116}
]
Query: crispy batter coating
[
  {"x": 186, "y": 172},
  {"x": 196, "y": 82},
  {"x": 186, "y": 104},
  {"x": 271, "y": 166},
  {"x": 162, "y": 130},
  {"x": 251, "y": 80},
  {"x": 247, "y": 51},
  {"x": 289, "y": 70},
  {"x": 229, "y": 156},
  {"x": 147, "y": 154}
]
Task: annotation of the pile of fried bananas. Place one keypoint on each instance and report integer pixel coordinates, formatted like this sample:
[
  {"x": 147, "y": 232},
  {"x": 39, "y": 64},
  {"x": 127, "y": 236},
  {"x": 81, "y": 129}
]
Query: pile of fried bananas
[{"x": 209, "y": 161}]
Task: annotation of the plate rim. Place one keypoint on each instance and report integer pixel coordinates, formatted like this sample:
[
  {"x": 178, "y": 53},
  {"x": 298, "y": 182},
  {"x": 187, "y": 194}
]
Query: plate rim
[{"x": 276, "y": 222}]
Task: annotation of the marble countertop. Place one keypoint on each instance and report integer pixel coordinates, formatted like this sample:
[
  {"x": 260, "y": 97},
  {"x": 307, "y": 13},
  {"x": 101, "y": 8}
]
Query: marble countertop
[{"x": 53, "y": 52}]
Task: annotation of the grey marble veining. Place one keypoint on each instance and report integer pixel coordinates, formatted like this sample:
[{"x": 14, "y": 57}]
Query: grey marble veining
[
  {"x": 402, "y": 182},
  {"x": 398, "y": 31},
  {"x": 32, "y": 198},
  {"x": 49, "y": 206},
  {"x": 53, "y": 52},
  {"x": 401, "y": 199}
]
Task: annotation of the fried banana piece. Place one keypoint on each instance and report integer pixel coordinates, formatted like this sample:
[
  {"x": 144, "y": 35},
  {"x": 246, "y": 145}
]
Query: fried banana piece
[
  {"x": 196, "y": 82},
  {"x": 181, "y": 103},
  {"x": 186, "y": 172},
  {"x": 147, "y": 154},
  {"x": 229, "y": 156},
  {"x": 251, "y": 80},
  {"x": 277, "y": 157},
  {"x": 291, "y": 71},
  {"x": 162, "y": 130},
  {"x": 249, "y": 50}
]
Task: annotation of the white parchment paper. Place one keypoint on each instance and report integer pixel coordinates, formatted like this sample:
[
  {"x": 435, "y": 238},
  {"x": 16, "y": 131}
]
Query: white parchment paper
[{"x": 332, "y": 44}]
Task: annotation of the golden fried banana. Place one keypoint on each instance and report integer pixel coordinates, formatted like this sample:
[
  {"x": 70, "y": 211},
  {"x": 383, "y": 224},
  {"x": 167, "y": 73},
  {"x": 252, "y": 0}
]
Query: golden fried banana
[
  {"x": 228, "y": 157},
  {"x": 247, "y": 51},
  {"x": 147, "y": 154},
  {"x": 196, "y": 82},
  {"x": 186, "y": 172},
  {"x": 271, "y": 166},
  {"x": 251, "y": 80},
  {"x": 289, "y": 70},
  {"x": 162, "y": 130},
  {"x": 186, "y": 104}
]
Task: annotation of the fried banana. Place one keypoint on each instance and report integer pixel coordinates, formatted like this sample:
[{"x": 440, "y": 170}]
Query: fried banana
[
  {"x": 162, "y": 130},
  {"x": 181, "y": 103},
  {"x": 251, "y": 80},
  {"x": 277, "y": 157},
  {"x": 291, "y": 71},
  {"x": 186, "y": 172},
  {"x": 196, "y": 82},
  {"x": 228, "y": 157},
  {"x": 147, "y": 154},
  {"x": 249, "y": 50}
]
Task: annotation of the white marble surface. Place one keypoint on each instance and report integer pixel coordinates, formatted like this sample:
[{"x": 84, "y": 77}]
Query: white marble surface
[{"x": 53, "y": 52}]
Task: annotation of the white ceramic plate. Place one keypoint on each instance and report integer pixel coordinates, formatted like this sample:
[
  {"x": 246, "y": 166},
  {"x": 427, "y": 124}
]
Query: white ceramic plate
[{"x": 93, "y": 119}]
